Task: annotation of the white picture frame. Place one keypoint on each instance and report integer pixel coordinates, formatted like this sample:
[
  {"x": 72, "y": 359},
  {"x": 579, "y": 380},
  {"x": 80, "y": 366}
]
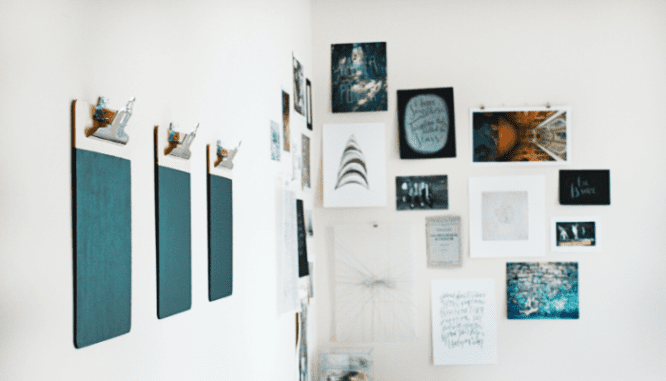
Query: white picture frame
[
  {"x": 575, "y": 234},
  {"x": 354, "y": 165},
  {"x": 554, "y": 143},
  {"x": 507, "y": 216}
]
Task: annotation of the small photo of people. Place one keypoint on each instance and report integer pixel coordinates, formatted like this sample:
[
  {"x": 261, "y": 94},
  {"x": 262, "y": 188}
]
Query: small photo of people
[
  {"x": 579, "y": 233},
  {"x": 422, "y": 192}
]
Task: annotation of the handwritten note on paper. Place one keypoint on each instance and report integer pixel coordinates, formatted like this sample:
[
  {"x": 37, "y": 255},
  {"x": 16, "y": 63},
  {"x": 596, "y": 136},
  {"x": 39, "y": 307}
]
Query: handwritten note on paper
[{"x": 464, "y": 322}]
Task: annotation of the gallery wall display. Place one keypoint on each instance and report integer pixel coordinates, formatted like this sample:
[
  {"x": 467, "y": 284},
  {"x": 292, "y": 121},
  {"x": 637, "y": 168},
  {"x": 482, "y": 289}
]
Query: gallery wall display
[
  {"x": 219, "y": 187},
  {"x": 507, "y": 215},
  {"x": 285, "y": 121},
  {"x": 299, "y": 88},
  {"x": 358, "y": 77},
  {"x": 443, "y": 241},
  {"x": 521, "y": 135},
  {"x": 375, "y": 283},
  {"x": 426, "y": 123},
  {"x": 421, "y": 192},
  {"x": 585, "y": 187},
  {"x": 102, "y": 221},
  {"x": 542, "y": 290},
  {"x": 354, "y": 165},
  {"x": 173, "y": 219},
  {"x": 575, "y": 234},
  {"x": 308, "y": 103},
  {"x": 464, "y": 322}
]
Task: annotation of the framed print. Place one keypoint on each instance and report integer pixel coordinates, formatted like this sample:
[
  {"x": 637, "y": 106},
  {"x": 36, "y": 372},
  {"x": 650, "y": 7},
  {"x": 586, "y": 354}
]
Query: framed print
[
  {"x": 421, "y": 192},
  {"x": 575, "y": 234},
  {"x": 285, "y": 121},
  {"x": 507, "y": 215},
  {"x": 585, "y": 187},
  {"x": 443, "y": 241},
  {"x": 354, "y": 165},
  {"x": 299, "y": 87},
  {"x": 308, "y": 103},
  {"x": 358, "y": 77},
  {"x": 542, "y": 290},
  {"x": 521, "y": 135},
  {"x": 426, "y": 123}
]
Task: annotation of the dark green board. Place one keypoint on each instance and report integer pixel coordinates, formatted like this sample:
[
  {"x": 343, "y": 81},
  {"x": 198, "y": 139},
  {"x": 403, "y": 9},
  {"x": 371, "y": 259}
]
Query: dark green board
[
  {"x": 102, "y": 247},
  {"x": 220, "y": 237},
  {"x": 174, "y": 241}
]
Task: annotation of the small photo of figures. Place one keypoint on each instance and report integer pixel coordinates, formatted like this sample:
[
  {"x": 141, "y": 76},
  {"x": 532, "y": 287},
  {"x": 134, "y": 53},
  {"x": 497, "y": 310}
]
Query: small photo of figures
[
  {"x": 575, "y": 234},
  {"x": 358, "y": 77},
  {"x": 422, "y": 192}
]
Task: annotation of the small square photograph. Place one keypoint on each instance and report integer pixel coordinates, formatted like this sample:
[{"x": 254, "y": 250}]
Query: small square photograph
[
  {"x": 504, "y": 216},
  {"x": 575, "y": 234},
  {"x": 275, "y": 141},
  {"x": 421, "y": 192}
]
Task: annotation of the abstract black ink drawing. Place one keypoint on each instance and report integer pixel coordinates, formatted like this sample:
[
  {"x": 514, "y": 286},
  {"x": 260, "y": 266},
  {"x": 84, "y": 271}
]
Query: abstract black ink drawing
[{"x": 353, "y": 169}]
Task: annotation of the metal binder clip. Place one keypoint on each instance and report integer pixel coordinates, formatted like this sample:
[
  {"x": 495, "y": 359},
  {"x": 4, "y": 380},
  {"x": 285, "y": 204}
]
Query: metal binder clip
[
  {"x": 225, "y": 157},
  {"x": 548, "y": 105},
  {"x": 177, "y": 147},
  {"x": 482, "y": 107},
  {"x": 110, "y": 125}
]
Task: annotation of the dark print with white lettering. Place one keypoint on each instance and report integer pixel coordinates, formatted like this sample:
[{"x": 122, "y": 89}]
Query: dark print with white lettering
[
  {"x": 426, "y": 123},
  {"x": 585, "y": 187}
]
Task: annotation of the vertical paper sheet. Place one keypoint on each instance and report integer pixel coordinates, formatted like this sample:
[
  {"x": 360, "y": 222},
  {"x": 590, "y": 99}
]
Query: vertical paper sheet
[
  {"x": 375, "y": 283},
  {"x": 287, "y": 249},
  {"x": 464, "y": 322}
]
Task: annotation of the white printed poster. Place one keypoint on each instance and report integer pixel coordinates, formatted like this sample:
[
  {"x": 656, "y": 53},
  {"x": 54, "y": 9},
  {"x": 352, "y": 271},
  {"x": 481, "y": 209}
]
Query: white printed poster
[
  {"x": 354, "y": 165},
  {"x": 287, "y": 248},
  {"x": 464, "y": 322}
]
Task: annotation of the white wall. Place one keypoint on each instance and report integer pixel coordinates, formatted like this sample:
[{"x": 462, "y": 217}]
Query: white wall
[
  {"x": 603, "y": 58},
  {"x": 220, "y": 63}
]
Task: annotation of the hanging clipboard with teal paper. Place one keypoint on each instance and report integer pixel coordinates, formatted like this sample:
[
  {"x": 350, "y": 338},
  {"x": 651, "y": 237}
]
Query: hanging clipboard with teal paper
[
  {"x": 173, "y": 220},
  {"x": 102, "y": 220},
  {"x": 220, "y": 220}
]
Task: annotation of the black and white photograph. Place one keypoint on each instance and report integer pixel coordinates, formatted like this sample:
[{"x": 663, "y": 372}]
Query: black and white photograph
[
  {"x": 299, "y": 87},
  {"x": 421, "y": 192},
  {"x": 426, "y": 123},
  {"x": 575, "y": 234},
  {"x": 308, "y": 103}
]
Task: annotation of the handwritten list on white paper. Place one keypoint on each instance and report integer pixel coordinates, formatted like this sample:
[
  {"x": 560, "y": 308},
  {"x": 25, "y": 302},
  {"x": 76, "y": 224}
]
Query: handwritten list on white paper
[{"x": 464, "y": 322}]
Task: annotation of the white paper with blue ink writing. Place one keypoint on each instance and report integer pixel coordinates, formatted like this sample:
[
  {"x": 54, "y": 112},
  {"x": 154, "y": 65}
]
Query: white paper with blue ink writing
[{"x": 464, "y": 322}]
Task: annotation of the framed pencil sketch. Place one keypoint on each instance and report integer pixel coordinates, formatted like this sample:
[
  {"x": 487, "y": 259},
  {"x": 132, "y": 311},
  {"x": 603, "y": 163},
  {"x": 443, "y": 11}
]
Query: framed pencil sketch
[
  {"x": 507, "y": 215},
  {"x": 443, "y": 241},
  {"x": 575, "y": 234},
  {"x": 521, "y": 136}
]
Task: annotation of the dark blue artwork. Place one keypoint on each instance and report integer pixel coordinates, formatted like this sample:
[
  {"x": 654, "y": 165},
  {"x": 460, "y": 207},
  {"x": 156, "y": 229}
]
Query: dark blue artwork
[
  {"x": 358, "y": 77},
  {"x": 102, "y": 247},
  {"x": 220, "y": 237},
  {"x": 585, "y": 187},
  {"x": 542, "y": 290}
]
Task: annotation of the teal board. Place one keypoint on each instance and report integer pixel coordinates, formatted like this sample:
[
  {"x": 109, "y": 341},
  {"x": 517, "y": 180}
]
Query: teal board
[
  {"x": 220, "y": 237},
  {"x": 174, "y": 241},
  {"x": 102, "y": 247}
]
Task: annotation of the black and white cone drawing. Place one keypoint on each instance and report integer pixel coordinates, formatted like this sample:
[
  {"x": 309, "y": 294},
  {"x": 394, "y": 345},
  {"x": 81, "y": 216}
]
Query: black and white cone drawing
[{"x": 353, "y": 169}]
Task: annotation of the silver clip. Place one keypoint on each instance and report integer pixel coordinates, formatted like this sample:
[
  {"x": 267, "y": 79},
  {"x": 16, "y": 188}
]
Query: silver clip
[
  {"x": 547, "y": 105},
  {"x": 482, "y": 107},
  {"x": 113, "y": 130},
  {"x": 225, "y": 157},
  {"x": 177, "y": 147}
]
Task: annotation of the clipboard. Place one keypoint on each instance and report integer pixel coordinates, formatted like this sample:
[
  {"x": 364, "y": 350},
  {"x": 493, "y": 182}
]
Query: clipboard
[
  {"x": 101, "y": 222},
  {"x": 173, "y": 220},
  {"x": 219, "y": 165}
]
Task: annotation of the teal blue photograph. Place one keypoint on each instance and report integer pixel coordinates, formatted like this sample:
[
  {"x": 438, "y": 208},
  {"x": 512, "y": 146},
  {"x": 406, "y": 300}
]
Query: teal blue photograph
[{"x": 542, "y": 290}]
